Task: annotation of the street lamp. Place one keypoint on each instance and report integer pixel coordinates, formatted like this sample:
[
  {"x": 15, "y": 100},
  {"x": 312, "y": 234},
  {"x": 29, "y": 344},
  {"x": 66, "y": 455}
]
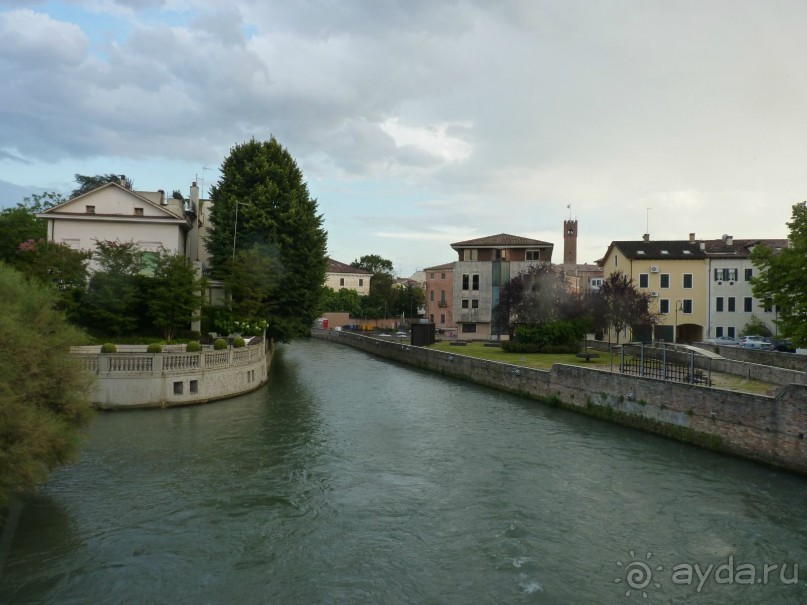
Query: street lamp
[
  {"x": 679, "y": 306},
  {"x": 235, "y": 225}
]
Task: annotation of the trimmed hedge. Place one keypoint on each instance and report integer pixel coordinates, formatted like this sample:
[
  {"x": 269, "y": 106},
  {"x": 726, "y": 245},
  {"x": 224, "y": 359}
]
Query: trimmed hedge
[
  {"x": 108, "y": 347},
  {"x": 239, "y": 342},
  {"x": 193, "y": 347},
  {"x": 219, "y": 344},
  {"x": 523, "y": 347},
  {"x": 154, "y": 348}
]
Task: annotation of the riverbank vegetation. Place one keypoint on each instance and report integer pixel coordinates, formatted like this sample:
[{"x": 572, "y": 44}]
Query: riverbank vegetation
[{"x": 44, "y": 400}]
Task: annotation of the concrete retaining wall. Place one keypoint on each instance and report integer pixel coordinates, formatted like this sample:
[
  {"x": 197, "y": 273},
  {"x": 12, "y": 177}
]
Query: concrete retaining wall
[
  {"x": 147, "y": 380},
  {"x": 763, "y": 428}
]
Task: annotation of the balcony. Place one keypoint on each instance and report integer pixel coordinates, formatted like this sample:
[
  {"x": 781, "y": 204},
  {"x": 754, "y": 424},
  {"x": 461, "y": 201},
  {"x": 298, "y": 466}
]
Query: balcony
[{"x": 442, "y": 303}]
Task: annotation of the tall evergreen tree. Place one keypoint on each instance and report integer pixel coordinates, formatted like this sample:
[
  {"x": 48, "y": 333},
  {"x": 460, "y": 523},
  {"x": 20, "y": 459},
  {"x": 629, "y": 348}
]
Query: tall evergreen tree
[{"x": 261, "y": 199}]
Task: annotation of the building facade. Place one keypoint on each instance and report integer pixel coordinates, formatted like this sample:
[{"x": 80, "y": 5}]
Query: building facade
[
  {"x": 484, "y": 266},
  {"x": 700, "y": 288},
  {"x": 339, "y": 275},
  {"x": 440, "y": 296}
]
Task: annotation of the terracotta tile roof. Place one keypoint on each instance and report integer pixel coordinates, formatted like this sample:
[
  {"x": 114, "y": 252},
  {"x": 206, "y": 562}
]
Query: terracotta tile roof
[
  {"x": 500, "y": 240},
  {"x": 443, "y": 267},
  {"x": 334, "y": 266},
  {"x": 740, "y": 248}
]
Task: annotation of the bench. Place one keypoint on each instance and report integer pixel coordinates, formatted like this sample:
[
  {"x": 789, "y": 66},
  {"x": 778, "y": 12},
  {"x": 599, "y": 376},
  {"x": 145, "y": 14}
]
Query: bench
[{"x": 588, "y": 356}]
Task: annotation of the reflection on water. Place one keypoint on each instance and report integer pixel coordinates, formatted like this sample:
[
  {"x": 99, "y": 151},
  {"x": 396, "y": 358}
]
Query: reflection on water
[{"x": 350, "y": 479}]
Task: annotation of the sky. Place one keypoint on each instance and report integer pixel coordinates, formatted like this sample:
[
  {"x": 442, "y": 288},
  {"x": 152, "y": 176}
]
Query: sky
[{"x": 418, "y": 123}]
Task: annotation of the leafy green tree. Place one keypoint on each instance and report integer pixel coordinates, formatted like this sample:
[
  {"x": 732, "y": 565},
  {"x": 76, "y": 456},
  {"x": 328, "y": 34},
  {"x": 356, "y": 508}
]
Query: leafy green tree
[
  {"x": 782, "y": 280},
  {"x": 253, "y": 281},
  {"x": 88, "y": 183},
  {"x": 112, "y": 300},
  {"x": 44, "y": 400},
  {"x": 343, "y": 300},
  {"x": 407, "y": 299},
  {"x": 536, "y": 295},
  {"x": 374, "y": 263},
  {"x": 263, "y": 187},
  {"x": 59, "y": 267},
  {"x": 619, "y": 304},
  {"x": 19, "y": 224},
  {"x": 175, "y": 294},
  {"x": 756, "y": 327}
]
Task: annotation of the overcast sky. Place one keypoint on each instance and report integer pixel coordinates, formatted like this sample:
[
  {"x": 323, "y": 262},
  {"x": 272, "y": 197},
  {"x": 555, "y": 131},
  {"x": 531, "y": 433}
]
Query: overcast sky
[{"x": 418, "y": 123}]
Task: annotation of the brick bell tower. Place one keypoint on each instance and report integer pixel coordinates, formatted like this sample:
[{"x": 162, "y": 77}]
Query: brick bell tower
[{"x": 570, "y": 242}]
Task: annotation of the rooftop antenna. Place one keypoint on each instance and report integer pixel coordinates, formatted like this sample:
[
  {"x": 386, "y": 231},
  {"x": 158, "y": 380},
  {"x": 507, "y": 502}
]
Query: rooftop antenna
[
  {"x": 202, "y": 180},
  {"x": 569, "y": 206}
]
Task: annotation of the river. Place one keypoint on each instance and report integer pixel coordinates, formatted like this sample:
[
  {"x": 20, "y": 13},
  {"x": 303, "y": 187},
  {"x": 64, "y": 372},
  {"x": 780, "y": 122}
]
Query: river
[{"x": 350, "y": 479}]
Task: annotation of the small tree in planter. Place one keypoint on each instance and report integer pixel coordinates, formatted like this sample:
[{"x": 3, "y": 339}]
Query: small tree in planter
[{"x": 219, "y": 344}]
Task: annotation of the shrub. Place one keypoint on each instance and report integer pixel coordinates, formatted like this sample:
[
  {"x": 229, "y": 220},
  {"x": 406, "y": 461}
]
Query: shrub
[
  {"x": 154, "y": 348},
  {"x": 108, "y": 347},
  {"x": 193, "y": 347},
  {"x": 239, "y": 342},
  {"x": 219, "y": 344}
]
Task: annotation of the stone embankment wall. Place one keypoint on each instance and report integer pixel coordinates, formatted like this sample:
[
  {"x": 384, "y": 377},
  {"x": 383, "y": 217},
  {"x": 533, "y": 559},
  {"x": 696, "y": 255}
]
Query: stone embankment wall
[
  {"x": 763, "y": 428},
  {"x": 145, "y": 380}
]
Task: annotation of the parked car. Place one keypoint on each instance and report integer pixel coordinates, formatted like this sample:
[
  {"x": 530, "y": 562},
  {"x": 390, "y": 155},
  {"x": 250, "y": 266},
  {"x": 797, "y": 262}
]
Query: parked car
[
  {"x": 756, "y": 342},
  {"x": 784, "y": 345},
  {"x": 726, "y": 341},
  {"x": 401, "y": 334}
]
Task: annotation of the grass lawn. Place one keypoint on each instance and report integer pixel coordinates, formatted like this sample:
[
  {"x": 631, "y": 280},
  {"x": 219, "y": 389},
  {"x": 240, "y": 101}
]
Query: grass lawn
[{"x": 544, "y": 361}]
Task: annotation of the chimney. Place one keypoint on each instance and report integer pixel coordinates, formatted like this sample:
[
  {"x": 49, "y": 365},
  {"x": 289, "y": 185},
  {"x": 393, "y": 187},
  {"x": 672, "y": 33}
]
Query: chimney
[
  {"x": 692, "y": 237},
  {"x": 728, "y": 239},
  {"x": 194, "y": 194},
  {"x": 162, "y": 197},
  {"x": 646, "y": 237},
  {"x": 703, "y": 245}
]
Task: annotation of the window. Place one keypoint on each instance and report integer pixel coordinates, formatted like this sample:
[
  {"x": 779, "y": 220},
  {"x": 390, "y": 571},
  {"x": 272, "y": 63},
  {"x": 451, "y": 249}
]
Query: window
[
  {"x": 616, "y": 260},
  {"x": 465, "y": 281},
  {"x": 725, "y": 274},
  {"x": 341, "y": 281},
  {"x": 719, "y": 331},
  {"x": 178, "y": 386},
  {"x": 469, "y": 254},
  {"x": 138, "y": 212},
  {"x": 194, "y": 386},
  {"x": 89, "y": 209},
  {"x": 442, "y": 295},
  {"x": 768, "y": 306},
  {"x": 732, "y": 304},
  {"x": 469, "y": 328},
  {"x": 474, "y": 303},
  {"x": 748, "y": 304},
  {"x": 686, "y": 305},
  {"x": 533, "y": 255},
  {"x": 664, "y": 306},
  {"x": 431, "y": 275},
  {"x": 464, "y": 303},
  {"x": 731, "y": 333},
  {"x": 749, "y": 273},
  {"x": 474, "y": 282},
  {"x": 442, "y": 318},
  {"x": 361, "y": 282},
  {"x": 687, "y": 280},
  {"x": 431, "y": 318},
  {"x": 431, "y": 295},
  {"x": 442, "y": 276},
  {"x": 719, "y": 304},
  {"x": 664, "y": 280},
  {"x": 644, "y": 280}
]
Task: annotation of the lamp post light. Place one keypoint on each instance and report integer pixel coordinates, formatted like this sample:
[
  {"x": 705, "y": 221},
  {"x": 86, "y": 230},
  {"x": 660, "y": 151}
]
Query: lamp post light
[
  {"x": 679, "y": 306},
  {"x": 235, "y": 225}
]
